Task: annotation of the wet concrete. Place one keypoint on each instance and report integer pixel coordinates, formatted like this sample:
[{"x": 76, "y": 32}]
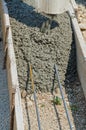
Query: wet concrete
[{"x": 42, "y": 50}]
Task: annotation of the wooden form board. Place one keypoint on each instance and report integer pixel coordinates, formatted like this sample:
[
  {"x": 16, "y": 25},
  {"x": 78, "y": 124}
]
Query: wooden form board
[
  {"x": 14, "y": 91},
  {"x": 80, "y": 48},
  {"x": 74, "y": 5}
]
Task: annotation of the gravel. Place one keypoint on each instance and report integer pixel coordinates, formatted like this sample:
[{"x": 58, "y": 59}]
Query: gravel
[{"x": 82, "y": 15}]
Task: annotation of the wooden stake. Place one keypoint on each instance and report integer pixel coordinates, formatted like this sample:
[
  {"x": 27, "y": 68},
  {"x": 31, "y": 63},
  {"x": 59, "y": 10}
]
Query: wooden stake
[
  {"x": 31, "y": 77},
  {"x": 6, "y": 36}
]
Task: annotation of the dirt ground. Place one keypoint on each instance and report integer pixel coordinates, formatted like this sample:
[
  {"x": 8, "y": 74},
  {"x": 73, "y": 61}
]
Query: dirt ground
[
  {"x": 82, "y": 15},
  {"x": 42, "y": 51},
  {"x": 53, "y": 117}
]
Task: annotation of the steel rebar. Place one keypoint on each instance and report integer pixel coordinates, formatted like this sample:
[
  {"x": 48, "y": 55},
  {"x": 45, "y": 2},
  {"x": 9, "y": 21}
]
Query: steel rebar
[
  {"x": 35, "y": 100},
  {"x": 61, "y": 91}
]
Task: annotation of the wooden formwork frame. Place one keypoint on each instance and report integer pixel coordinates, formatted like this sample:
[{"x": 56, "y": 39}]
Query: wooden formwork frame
[
  {"x": 74, "y": 5},
  {"x": 15, "y": 98},
  {"x": 80, "y": 48},
  {"x": 16, "y": 121}
]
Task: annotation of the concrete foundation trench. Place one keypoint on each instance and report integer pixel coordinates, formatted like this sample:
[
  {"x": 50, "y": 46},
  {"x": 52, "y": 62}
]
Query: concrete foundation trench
[{"x": 42, "y": 50}]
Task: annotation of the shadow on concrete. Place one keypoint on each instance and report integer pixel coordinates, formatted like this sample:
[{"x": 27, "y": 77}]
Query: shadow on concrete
[
  {"x": 27, "y": 15},
  {"x": 83, "y": 2}
]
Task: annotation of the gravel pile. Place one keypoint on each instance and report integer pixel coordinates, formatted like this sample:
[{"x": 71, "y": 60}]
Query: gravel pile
[
  {"x": 82, "y": 16},
  {"x": 41, "y": 50}
]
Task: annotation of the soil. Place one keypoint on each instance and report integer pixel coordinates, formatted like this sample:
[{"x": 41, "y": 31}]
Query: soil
[
  {"x": 53, "y": 117},
  {"x": 82, "y": 15},
  {"x": 42, "y": 51}
]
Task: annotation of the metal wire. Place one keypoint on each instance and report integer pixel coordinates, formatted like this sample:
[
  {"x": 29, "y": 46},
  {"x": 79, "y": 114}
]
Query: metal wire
[
  {"x": 61, "y": 91},
  {"x": 35, "y": 100},
  {"x": 37, "y": 111},
  {"x": 33, "y": 88}
]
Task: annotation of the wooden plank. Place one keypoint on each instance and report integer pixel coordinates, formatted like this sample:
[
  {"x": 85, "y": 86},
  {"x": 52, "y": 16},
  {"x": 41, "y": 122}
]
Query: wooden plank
[
  {"x": 6, "y": 34},
  {"x": 14, "y": 91},
  {"x": 5, "y": 19},
  {"x": 75, "y": 6},
  {"x": 80, "y": 49}
]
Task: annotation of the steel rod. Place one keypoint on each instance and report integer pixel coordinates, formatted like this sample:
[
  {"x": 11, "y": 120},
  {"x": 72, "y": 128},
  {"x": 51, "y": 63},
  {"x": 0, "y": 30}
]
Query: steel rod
[
  {"x": 35, "y": 100},
  {"x": 61, "y": 91},
  {"x": 37, "y": 111}
]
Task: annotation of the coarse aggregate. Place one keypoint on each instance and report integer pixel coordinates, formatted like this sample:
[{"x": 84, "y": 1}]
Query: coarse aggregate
[
  {"x": 42, "y": 50},
  {"x": 81, "y": 16}
]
